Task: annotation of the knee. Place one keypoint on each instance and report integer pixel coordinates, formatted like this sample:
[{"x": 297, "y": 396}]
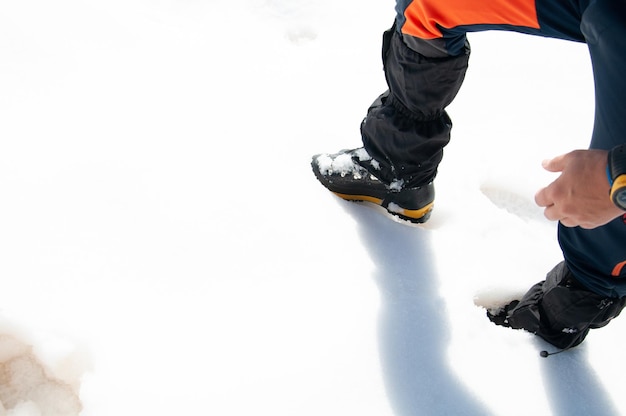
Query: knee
[{"x": 604, "y": 21}]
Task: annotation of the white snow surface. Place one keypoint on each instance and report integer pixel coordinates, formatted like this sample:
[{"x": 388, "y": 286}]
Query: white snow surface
[{"x": 166, "y": 250}]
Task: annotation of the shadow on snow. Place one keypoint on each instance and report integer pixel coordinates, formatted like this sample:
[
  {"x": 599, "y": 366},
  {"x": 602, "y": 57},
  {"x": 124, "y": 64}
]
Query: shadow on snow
[
  {"x": 413, "y": 327},
  {"x": 414, "y": 334},
  {"x": 572, "y": 386}
]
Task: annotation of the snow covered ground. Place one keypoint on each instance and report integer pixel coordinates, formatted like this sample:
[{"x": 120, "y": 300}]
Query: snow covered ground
[{"x": 165, "y": 249}]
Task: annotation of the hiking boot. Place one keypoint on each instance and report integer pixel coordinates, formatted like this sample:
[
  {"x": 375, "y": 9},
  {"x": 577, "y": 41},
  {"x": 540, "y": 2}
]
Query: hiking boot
[
  {"x": 500, "y": 316},
  {"x": 354, "y": 176}
]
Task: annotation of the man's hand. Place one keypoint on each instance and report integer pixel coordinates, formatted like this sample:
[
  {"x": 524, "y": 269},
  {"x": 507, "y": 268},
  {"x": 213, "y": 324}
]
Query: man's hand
[{"x": 580, "y": 195}]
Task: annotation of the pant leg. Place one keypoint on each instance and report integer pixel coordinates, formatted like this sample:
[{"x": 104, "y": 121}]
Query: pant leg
[
  {"x": 407, "y": 127},
  {"x": 598, "y": 257},
  {"x": 425, "y": 59}
]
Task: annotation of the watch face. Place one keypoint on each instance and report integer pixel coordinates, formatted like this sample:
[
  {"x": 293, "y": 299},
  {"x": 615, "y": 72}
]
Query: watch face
[{"x": 619, "y": 197}]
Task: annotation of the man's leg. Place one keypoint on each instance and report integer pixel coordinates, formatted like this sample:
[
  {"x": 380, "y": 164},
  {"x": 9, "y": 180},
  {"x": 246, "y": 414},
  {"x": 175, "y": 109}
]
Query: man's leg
[
  {"x": 407, "y": 127},
  {"x": 425, "y": 59},
  {"x": 403, "y": 133},
  {"x": 597, "y": 257},
  {"x": 589, "y": 288}
]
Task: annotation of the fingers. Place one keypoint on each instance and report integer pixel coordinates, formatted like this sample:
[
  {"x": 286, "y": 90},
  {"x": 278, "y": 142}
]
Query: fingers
[
  {"x": 568, "y": 223},
  {"x": 552, "y": 213},
  {"x": 541, "y": 198},
  {"x": 556, "y": 164},
  {"x": 555, "y": 212},
  {"x": 578, "y": 197},
  {"x": 546, "y": 197}
]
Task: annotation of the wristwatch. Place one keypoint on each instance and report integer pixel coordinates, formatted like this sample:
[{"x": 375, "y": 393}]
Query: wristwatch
[{"x": 616, "y": 172}]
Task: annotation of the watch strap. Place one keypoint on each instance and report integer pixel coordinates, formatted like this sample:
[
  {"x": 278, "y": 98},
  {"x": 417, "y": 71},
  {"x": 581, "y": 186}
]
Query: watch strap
[
  {"x": 616, "y": 162},
  {"x": 617, "y": 189}
]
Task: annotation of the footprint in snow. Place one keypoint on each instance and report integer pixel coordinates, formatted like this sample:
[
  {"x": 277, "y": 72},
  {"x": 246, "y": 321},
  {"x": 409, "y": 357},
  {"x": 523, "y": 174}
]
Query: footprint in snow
[{"x": 513, "y": 203}]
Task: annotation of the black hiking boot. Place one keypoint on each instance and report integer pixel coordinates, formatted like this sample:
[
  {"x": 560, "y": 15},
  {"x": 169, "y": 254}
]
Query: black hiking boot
[
  {"x": 354, "y": 176},
  {"x": 501, "y": 315}
]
